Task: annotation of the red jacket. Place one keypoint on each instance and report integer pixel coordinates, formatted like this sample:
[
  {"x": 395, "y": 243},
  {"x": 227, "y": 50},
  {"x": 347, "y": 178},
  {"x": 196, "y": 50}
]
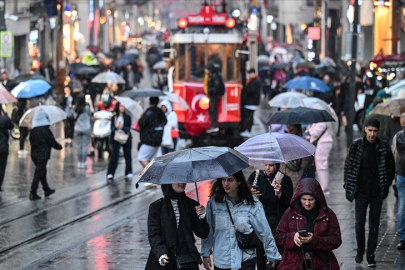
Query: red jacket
[{"x": 326, "y": 235}]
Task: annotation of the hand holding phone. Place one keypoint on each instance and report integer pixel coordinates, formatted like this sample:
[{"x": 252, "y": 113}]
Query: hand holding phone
[{"x": 303, "y": 233}]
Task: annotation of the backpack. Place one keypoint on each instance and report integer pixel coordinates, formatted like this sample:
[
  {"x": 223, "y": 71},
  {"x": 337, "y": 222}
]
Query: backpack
[{"x": 218, "y": 84}]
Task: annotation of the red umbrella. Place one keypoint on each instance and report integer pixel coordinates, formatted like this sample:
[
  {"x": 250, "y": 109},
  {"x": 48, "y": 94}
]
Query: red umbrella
[{"x": 5, "y": 96}]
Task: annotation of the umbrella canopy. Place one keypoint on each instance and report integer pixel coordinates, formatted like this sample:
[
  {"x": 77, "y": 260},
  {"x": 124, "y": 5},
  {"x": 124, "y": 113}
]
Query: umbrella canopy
[
  {"x": 275, "y": 147},
  {"x": 5, "y": 96},
  {"x": 305, "y": 64},
  {"x": 53, "y": 115},
  {"x": 193, "y": 165},
  {"x": 108, "y": 77},
  {"x": 288, "y": 100},
  {"x": 307, "y": 83},
  {"x": 393, "y": 107},
  {"x": 122, "y": 62},
  {"x": 131, "y": 106},
  {"x": 327, "y": 61},
  {"x": 178, "y": 101},
  {"x": 132, "y": 51},
  {"x": 85, "y": 70},
  {"x": 30, "y": 89},
  {"x": 143, "y": 92},
  {"x": 160, "y": 65},
  {"x": 300, "y": 115},
  {"x": 76, "y": 66},
  {"x": 26, "y": 77},
  {"x": 317, "y": 103},
  {"x": 280, "y": 65},
  {"x": 263, "y": 59},
  {"x": 324, "y": 69}
]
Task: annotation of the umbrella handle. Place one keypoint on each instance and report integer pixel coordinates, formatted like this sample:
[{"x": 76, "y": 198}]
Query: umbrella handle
[{"x": 196, "y": 191}]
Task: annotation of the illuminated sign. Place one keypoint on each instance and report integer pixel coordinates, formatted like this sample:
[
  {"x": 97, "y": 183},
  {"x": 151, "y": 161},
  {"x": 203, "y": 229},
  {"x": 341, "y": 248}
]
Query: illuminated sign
[{"x": 207, "y": 16}]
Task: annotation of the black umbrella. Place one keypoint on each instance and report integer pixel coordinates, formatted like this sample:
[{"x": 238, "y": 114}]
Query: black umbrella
[
  {"x": 75, "y": 66},
  {"x": 143, "y": 92},
  {"x": 280, "y": 65},
  {"x": 300, "y": 115},
  {"x": 193, "y": 165},
  {"x": 324, "y": 69},
  {"x": 86, "y": 70},
  {"x": 26, "y": 77},
  {"x": 122, "y": 62}
]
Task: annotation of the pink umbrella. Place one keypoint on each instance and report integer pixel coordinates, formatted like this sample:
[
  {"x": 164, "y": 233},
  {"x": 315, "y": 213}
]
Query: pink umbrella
[{"x": 5, "y": 96}]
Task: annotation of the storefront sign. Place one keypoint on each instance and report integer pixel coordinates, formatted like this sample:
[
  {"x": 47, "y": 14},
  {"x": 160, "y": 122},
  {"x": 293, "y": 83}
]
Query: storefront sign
[{"x": 6, "y": 40}]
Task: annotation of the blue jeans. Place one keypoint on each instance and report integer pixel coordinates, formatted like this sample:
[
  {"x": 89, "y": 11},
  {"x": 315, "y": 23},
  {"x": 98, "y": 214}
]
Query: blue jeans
[{"x": 401, "y": 206}]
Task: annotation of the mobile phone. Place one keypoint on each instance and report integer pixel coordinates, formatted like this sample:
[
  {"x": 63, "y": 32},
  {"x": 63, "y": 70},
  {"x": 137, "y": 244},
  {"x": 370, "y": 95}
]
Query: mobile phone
[
  {"x": 303, "y": 233},
  {"x": 87, "y": 97},
  {"x": 255, "y": 187}
]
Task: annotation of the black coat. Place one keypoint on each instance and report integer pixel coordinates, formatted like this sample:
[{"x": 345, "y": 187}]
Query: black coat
[
  {"x": 385, "y": 163},
  {"x": 151, "y": 123},
  {"x": 251, "y": 92},
  {"x": 5, "y": 126},
  {"x": 157, "y": 238},
  {"x": 274, "y": 207},
  {"x": 42, "y": 142}
]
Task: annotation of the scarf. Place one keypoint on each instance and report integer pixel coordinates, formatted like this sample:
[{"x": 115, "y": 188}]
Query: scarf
[{"x": 310, "y": 216}]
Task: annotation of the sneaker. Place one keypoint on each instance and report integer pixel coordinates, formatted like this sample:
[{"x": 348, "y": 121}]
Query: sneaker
[
  {"x": 110, "y": 176},
  {"x": 129, "y": 176},
  {"x": 371, "y": 261},
  {"x": 22, "y": 153},
  {"x": 34, "y": 197},
  {"x": 49, "y": 192},
  {"x": 212, "y": 130},
  {"x": 401, "y": 245},
  {"x": 246, "y": 134}
]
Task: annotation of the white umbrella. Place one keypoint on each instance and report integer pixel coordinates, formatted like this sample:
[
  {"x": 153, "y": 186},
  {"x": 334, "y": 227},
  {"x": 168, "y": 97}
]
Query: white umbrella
[
  {"x": 160, "y": 65},
  {"x": 54, "y": 114},
  {"x": 288, "y": 100},
  {"x": 178, "y": 102},
  {"x": 327, "y": 61},
  {"x": 131, "y": 106},
  {"x": 108, "y": 77},
  {"x": 263, "y": 58},
  {"x": 275, "y": 147}
]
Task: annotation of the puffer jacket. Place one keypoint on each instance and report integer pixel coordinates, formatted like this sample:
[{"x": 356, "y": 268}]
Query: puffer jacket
[
  {"x": 326, "y": 234},
  {"x": 385, "y": 162},
  {"x": 42, "y": 142}
]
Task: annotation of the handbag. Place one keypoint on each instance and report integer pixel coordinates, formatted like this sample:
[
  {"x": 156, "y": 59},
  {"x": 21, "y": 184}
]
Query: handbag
[
  {"x": 122, "y": 138},
  {"x": 135, "y": 126},
  {"x": 245, "y": 241},
  {"x": 185, "y": 261}
]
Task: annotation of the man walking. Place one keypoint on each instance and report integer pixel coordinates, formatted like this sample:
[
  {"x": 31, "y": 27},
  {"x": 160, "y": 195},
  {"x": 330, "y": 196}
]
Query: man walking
[
  {"x": 368, "y": 174},
  {"x": 214, "y": 87},
  {"x": 249, "y": 101},
  {"x": 398, "y": 149}
]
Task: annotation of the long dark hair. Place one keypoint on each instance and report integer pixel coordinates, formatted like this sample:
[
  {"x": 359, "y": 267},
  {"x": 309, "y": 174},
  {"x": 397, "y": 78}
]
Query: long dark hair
[
  {"x": 244, "y": 193},
  {"x": 80, "y": 103}
]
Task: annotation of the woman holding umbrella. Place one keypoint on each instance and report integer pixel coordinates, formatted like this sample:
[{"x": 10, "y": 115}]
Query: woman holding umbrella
[
  {"x": 231, "y": 202},
  {"x": 120, "y": 125},
  {"x": 83, "y": 110},
  {"x": 172, "y": 223},
  {"x": 274, "y": 191}
]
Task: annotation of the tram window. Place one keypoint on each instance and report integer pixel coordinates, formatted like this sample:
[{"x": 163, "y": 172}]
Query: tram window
[{"x": 180, "y": 69}]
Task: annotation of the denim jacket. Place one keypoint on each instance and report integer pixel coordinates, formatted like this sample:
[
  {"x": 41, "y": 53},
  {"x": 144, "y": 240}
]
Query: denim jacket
[{"x": 221, "y": 240}]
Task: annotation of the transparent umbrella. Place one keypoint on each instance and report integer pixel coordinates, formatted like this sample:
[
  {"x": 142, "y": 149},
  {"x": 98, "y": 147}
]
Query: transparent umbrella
[
  {"x": 108, "y": 77},
  {"x": 131, "y": 106},
  {"x": 54, "y": 115},
  {"x": 178, "y": 101},
  {"x": 275, "y": 147},
  {"x": 288, "y": 100}
]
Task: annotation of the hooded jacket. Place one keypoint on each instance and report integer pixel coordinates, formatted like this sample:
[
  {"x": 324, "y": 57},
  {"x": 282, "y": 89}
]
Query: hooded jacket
[
  {"x": 326, "y": 233},
  {"x": 385, "y": 163},
  {"x": 5, "y": 126},
  {"x": 170, "y": 114},
  {"x": 165, "y": 237}
]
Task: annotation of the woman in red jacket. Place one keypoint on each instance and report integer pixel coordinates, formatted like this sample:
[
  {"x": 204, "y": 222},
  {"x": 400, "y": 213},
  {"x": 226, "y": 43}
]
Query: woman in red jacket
[{"x": 309, "y": 230}]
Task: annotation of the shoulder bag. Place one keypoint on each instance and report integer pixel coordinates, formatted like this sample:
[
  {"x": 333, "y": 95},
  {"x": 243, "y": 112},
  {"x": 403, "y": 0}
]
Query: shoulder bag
[
  {"x": 317, "y": 140},
  {"x": 121, "y": 137},
  {"x": 245, "y": 241}
]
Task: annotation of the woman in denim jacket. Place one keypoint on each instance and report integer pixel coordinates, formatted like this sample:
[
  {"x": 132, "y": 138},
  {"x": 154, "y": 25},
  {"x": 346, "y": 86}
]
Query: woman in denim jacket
[{"x": 248, "y": 215}]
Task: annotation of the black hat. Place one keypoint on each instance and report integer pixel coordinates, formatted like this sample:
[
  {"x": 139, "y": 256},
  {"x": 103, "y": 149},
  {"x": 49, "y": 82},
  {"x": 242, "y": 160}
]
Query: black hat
[{"x": 252, "y": 70}]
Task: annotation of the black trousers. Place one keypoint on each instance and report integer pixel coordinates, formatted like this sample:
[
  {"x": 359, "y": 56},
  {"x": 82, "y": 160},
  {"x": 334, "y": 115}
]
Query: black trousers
[
  {"x": 115, "y": 152},
  {"x": 39, "y": 175},
  {"x": 246, "y": 265},
  {"x": 69, "y": 127},
  {"x": 247, "y": 119},
  {"x": 23, "y": 136},
  {"x": 3, "y": 163},
  {"x": 361, "y": 204},
  {"x": 213, "y": 110}
]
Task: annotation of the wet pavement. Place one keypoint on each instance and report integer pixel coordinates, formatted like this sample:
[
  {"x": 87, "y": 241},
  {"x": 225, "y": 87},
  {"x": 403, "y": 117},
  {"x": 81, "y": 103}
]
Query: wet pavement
[{"x": 91, "y": 224}]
